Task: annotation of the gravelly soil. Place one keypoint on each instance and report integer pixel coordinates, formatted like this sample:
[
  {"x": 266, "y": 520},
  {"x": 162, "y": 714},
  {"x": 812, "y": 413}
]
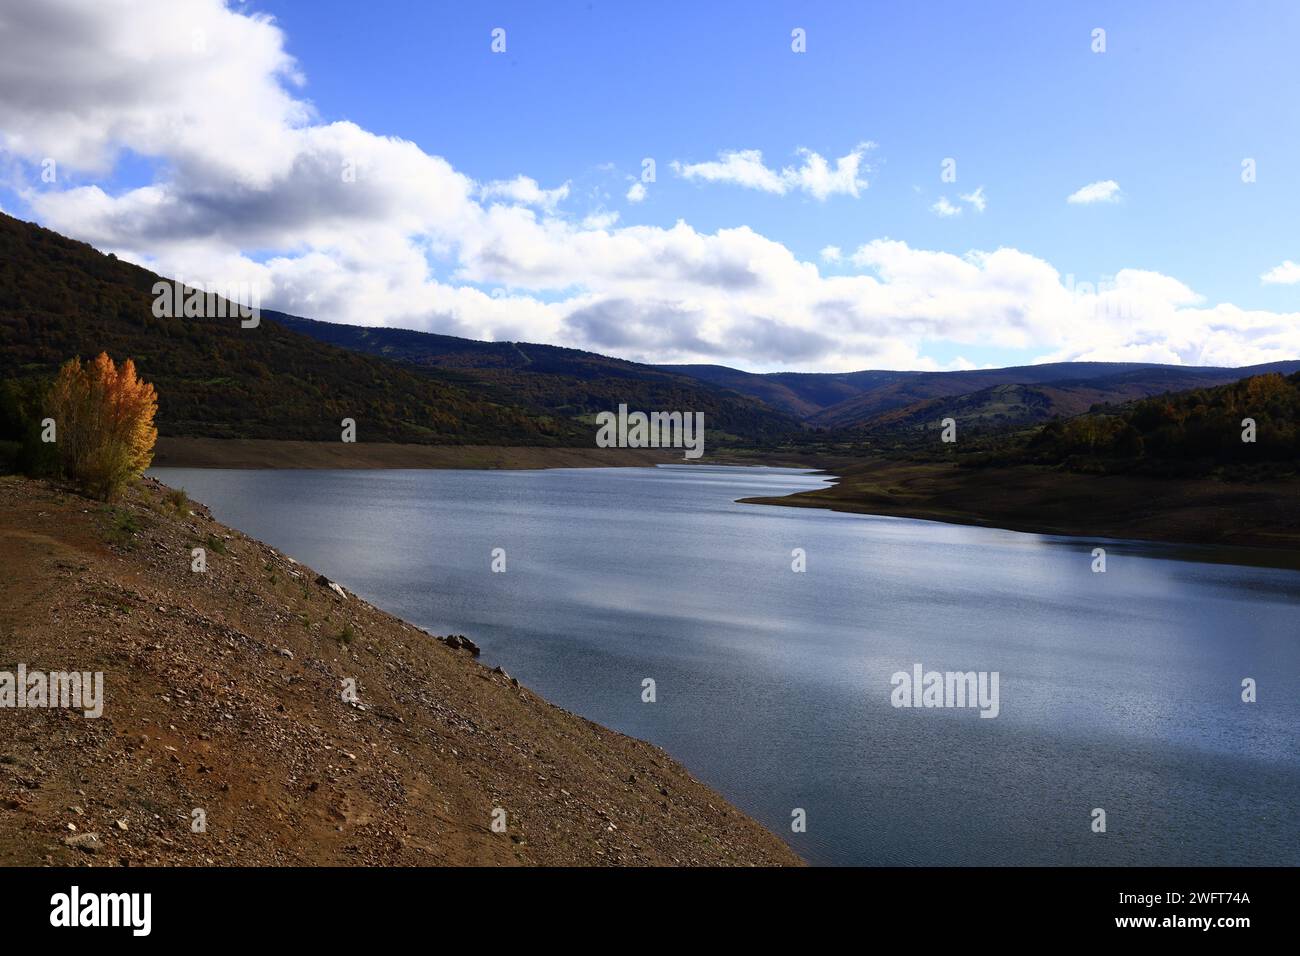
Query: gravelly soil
[{"x": 225, "y": 693}]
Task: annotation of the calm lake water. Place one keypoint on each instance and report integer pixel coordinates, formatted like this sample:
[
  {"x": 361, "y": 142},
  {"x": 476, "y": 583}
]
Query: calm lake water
[{"x": 1119, "y": 691}]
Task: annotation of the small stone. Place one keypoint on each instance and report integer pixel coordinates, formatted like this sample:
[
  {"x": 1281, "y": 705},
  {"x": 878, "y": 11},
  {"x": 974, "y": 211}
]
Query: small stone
[
  {"x": 459, "y": 642},
  {"x": 87, "y": 842},
  {"x": 332, "y": 585}
]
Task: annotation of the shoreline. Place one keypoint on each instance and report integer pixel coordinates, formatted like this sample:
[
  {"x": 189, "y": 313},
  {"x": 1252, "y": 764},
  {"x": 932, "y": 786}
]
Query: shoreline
[
  {"x": 1246, "y": 524},
  {"x": 222, "y": 692},
  {"x": 260, "y": 453}
]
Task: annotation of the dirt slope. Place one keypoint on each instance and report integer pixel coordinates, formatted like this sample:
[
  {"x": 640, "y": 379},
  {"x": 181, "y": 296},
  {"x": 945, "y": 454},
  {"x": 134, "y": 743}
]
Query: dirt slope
[{"x": 224, "y": 693}]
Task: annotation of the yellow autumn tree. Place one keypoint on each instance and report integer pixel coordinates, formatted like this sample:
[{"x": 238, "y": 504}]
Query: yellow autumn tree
[{"x": 104, "y": 427}]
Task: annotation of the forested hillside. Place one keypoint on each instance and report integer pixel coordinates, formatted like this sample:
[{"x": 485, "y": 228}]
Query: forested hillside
[
  {"x": 876, "y": 401},
  {"x": 1186, "y": 433},
  {"x": 60, "y": 298},
  {"x": 567, "y": 383}
]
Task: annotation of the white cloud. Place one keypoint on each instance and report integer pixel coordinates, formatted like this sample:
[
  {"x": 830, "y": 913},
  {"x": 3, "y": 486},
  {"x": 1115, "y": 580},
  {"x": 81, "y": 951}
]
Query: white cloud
[
  {"x": 636, "y": 193},
  {"x": 742, "y": 168},
  {"x": 1106, "y": 190},
  {"x": 81, "y": 80},
  {"x": 601, "y": 219},
  {"x": 946, "y": 208},
  {"x": 942, "y": 207},
  {"x": 1288, "y": 273},
  {"x": 410, "y": 241},
  {"x": 832, "y": 254},
  {"x": 816, "y": 177},
  {"x": 525, "y": 191}
]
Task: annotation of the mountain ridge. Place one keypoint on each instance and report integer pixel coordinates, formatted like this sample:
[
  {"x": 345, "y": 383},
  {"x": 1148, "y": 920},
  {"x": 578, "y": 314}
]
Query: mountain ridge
[
  {"x": 60, "y": 298},
  {"x": 295, "y": 379},
  {"x": 880, "y": 391}
]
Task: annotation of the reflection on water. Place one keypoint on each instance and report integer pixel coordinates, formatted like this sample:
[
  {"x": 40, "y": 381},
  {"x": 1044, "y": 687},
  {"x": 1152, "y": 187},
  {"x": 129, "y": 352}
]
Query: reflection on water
[{"x": 1118, "y": 690}]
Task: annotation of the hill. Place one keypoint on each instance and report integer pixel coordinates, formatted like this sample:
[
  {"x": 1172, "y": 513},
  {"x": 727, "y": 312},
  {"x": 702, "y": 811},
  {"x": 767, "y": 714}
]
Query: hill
[
  {"x": 222, "y": 691},
  {"x": 1199, "y": 431},
  {"x": 561, "y": 382},
  {"x": 1172, "y": 467},
  {"x": 802, "y": 394},
  {"x": 60, "y": 298},
  {"x": 295, "y": 379},
  {"x": 1017, "y": 405},
  {"x": 879, "y": 399}
]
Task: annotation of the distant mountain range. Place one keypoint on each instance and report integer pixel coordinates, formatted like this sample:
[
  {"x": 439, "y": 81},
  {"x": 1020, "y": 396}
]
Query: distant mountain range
[
  {"x": 571, "y": 382},
  {"x": 297, "y": 378},
  {"x": 990, "y": 397},
  {"x": 562, "y": 382}
]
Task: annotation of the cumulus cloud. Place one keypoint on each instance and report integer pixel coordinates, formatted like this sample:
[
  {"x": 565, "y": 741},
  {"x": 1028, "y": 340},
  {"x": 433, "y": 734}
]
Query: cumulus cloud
[
  {"x": 1288, "y": 273},
  {"x": 816, "y": 177},
  {"x": 601, "y": 219},
  {"x": 636, "y": 192},
  {"x": 190, "y": 80},
  {"x": 524, "y": 190},
  {"x": 1106, "y": 190},
  {"x": 946, "y": 208},
  {"x": 333, "y": 221},
  {"x": 942, "y": 207},
  {"x": 740, "y": 167}
]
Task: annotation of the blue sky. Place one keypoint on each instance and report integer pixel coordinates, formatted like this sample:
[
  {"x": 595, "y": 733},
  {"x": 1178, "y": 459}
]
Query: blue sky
[{"x": 1013, "y": 92}]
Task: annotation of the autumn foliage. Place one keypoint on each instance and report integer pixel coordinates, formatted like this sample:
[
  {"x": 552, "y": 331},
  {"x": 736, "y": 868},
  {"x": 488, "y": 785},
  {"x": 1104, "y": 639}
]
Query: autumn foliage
[
  {"x": 1196, "y": 432},
  {"x": 104, "y": 420}
]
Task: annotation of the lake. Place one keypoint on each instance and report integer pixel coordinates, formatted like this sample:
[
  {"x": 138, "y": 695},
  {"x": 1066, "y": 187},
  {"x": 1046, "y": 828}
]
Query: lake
[{"x": 1119, "y": 691}]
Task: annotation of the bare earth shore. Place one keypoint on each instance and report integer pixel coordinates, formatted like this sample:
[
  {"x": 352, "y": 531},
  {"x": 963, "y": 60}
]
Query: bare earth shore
[
  {"x": 1253, "y": 523},
  {"x": 224, "y": 693},
  {"x": 260, "y": 453}
]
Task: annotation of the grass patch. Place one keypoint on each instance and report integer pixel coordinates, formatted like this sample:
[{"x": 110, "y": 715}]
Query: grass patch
[
  {"x": 177, "y": 501},
  {"x": 121, "y": 525}
]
